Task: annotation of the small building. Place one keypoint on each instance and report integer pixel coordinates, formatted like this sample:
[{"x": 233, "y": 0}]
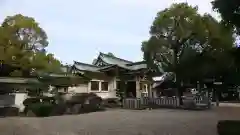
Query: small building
[
  {"x": 164, "y": 85},
  {"x": 109, "y": 73},
  {"x": 14, "y": 90}
]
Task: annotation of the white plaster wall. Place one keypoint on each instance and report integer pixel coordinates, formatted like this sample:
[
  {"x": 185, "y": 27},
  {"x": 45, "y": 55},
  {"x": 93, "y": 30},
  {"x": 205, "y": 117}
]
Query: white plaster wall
[
  {"x": 105, "y": 95},
  {"x": 82, "y": 88},
  {"x": 86, "y": 88},
  {"x": 19, "y": 98},
  {"x": 111, "y": 93}
]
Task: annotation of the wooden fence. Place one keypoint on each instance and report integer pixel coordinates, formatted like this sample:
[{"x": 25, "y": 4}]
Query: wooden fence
[
  {"x": 142, "y": 103},
  {"x": 167, "y": 102}
]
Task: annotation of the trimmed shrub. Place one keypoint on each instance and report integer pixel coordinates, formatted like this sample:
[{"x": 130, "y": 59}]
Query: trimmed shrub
[
  {"x": 30, "y": 101},
  {"x": 83, "y": 102},
  {"x": 92, "y": 104},
  {"x": 41, "y": 106},
  {"x": 86, "y": 108},
  {"x": 58, "y": 109},
  {"x": 78, "y": 98},
  {"x": 112, "y": 103},
  {"x": 41, "y": 109},
  {"x": 228, "y": 127}
]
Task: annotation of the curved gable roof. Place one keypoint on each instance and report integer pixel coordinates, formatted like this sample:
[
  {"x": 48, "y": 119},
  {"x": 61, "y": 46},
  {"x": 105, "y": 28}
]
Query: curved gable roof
[
  {"x": 112, "y": 60},
  {"x": 85, "y": 67}
]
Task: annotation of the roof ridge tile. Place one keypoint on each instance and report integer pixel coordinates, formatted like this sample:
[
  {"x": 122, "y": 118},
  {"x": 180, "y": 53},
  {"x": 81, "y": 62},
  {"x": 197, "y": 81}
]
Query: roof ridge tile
[{"x": 101, "y": 53}]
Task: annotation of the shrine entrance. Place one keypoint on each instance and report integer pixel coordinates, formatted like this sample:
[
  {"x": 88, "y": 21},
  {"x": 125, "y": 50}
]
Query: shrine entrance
[{"x": 131, "y": 89}]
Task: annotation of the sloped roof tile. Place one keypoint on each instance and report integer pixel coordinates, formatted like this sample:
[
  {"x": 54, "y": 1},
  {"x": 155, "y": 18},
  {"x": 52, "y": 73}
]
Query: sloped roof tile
[
  {"x": 85, "y": 67},
  {"x": 111, "y": 61}
]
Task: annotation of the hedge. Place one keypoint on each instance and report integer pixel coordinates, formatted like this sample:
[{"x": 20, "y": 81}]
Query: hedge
[
  {"x": 41, "y": 109},
  {"x": 112, "y": 103},
  {"x": 228, "y": 127}
]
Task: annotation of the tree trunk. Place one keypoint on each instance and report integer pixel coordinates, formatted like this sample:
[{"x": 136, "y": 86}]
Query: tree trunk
[
  {"x": 177, "y": 80},
  {"x": 179, "y": 91}
]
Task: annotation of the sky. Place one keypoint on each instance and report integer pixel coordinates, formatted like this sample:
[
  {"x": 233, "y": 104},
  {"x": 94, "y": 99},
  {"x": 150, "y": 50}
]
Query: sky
[{"x": 80, "y": 29}]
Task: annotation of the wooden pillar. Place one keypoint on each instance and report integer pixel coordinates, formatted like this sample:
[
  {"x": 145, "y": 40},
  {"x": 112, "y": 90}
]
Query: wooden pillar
[
  {"x": 150, "y": 92},
  {"x": 138, "y": 92}
]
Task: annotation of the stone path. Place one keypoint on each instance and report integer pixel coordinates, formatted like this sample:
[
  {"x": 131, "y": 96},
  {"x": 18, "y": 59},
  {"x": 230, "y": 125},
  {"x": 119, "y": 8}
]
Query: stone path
[{"x": 122, "y": 122}]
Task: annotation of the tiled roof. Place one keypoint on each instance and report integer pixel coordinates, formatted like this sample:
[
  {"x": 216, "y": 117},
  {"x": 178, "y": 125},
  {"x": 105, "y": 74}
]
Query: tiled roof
[
  {"x": 114, "y": 58},
  {"x": 160, "y": 79},
  {"x": 19, "y": 80},
  {"x": 85, "y": 67},
  {"x": 111, "y": 61},
  {"x": 138, "y": 65},
  {"x": 122, "y": 63}
]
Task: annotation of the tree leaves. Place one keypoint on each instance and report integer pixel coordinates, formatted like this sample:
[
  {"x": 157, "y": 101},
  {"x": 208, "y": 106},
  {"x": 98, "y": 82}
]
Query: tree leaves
[
  {"x": 194, "y": 38},
  {"x": 229, "y": 11},
  {"x": 22, "y": 46},
  {"x": 26, "y": 30}
]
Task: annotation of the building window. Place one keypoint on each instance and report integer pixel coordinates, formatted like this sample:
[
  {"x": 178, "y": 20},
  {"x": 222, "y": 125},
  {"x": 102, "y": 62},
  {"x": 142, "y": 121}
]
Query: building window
[
  {"x": 104, "y": 86},
  {"x": 65, "y": 90},
  {"x": 141, "y": 86},
  {"x": 94, "y": 85}
]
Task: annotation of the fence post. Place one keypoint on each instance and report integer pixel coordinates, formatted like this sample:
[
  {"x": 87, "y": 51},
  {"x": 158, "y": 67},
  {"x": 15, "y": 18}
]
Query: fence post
[{"x": 135, "y": 103}]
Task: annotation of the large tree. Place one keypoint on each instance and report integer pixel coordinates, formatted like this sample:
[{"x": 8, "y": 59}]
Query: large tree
[
  {"x": 179, "y": 34},
  {"x": 229, "y": 11},
  {"x": 22, "y": 48}
]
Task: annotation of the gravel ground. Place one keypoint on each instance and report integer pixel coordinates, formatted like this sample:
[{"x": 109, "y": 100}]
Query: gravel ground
[{"x": 122, "y": 122}]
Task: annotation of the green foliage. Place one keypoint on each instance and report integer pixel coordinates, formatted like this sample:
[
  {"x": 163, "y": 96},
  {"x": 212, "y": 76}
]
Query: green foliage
[
  {"x": 182, "y": 40},
  {"x": 229, "y": 11},
  {"x": 42, "y": 109},
  {"x": 111, "y": 103},
  {"x": 16, "y": 73},
  {"x": 83, "y": 103},
  {"x": 228, "y": 127},
  {"x": 27, "y": 31},
  {"x": 22, "y": 46}
]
